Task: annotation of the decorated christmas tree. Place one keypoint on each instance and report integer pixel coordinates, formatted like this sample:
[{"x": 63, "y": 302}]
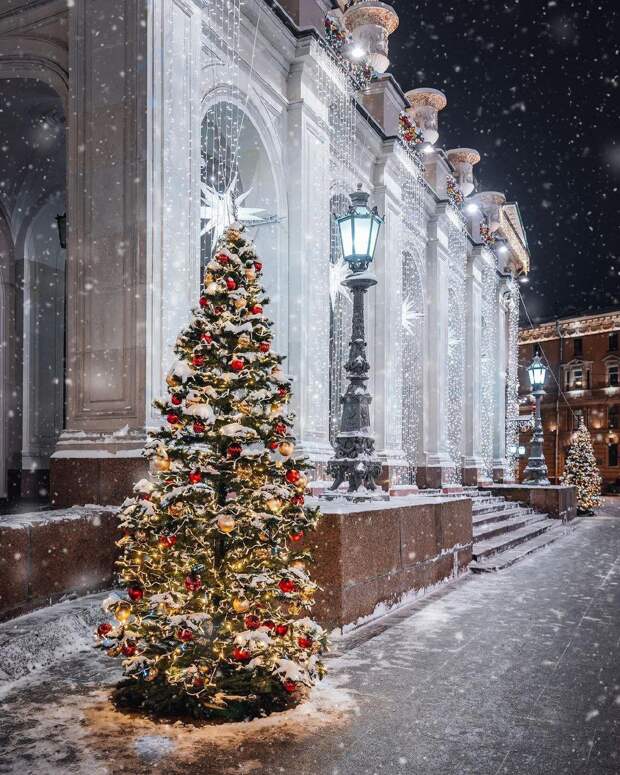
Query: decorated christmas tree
[
  {"x": 581, "y": 471},
  {"x": 215, "y": 617}
]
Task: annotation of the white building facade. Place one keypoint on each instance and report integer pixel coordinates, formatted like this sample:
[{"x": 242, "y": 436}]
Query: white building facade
[{"x": 151, "y": 102}]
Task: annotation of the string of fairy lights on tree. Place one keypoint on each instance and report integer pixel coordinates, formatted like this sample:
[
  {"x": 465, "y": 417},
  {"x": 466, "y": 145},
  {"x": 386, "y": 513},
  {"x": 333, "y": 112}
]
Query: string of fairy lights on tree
[
  {"x": 488, "y": 359},
  {"x": 455, "y": 393},
  {"x": 512, "y": 379}
]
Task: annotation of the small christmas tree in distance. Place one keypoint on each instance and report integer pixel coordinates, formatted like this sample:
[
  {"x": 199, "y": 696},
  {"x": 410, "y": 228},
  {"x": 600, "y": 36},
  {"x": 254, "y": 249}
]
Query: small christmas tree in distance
[
  {"x": 581, "y": 471},
  {"x": 215, "y": 619}
]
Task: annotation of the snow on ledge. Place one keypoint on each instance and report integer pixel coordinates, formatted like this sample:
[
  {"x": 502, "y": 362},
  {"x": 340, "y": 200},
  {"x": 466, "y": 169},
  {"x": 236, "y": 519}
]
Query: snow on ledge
[
  {"x": 90, "y": 511},
  {"x": 344, "y": 506}
]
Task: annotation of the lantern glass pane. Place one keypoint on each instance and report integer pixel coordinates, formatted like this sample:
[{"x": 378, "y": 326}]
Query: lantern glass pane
[
  {"x": 362, "y": 235},
  {"x": 346, "y": 235},
  {"x": 373, "y": 236},
  {"x": 537, "y": 374}
]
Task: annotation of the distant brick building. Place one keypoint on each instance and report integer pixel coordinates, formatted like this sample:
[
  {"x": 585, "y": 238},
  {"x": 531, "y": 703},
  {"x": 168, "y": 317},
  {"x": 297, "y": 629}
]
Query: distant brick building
[{"x": 584, "y": 356}]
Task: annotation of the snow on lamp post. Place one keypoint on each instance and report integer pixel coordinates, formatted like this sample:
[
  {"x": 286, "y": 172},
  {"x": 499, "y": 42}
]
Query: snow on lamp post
[
  {"x": 536, "y": 470},
  {"x": 354, "y": 460}
]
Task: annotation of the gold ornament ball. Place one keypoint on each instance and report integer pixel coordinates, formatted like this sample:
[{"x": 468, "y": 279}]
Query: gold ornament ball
[
  {"x": 307, "y": 594},
  {"x": 240, "y": 605},
  {"x": 298, "y": 565},
  {"x": 226, "y": 523},
  {"x": 263, "y": 537},
  {"x": 244, "y": 340},
  {"x": 122, "y": 612},
  {"x": 286, "y": 448},
  {"x": 294, "y": 610},
  {"x": 250, "y": 274},
  {"x": 172, "y": 380},
  {"x": 161, "y": 464},
  {"x": 240, "y": 303},
  {"x": 301, "y": 483},
  {"x": 211, "y": 288},
  {"x": 175, "y": 509},
  {"x": 262, "y": 554},
  {"x": 274, "y": 505}
]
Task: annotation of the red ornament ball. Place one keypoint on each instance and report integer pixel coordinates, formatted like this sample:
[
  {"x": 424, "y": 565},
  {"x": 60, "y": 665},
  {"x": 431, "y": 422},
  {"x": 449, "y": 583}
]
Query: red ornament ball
[
  {"x": 256, "y": 309},
  {"x": 269, "y": 624},
  {"x": 297, "y": 500},
  {"x": 240, "y": 654},
  {"x": 274, "y": 444},
  {"x": 281, "y": 629},
  {"x": 172, "y": 418},
  {"x": 252, "y": 622},
  {"x": 103, "y": 629},
  {"x": 290, "y": 686},
  {"x": 207, "y": 338},
  {"x": 258, "y": 266},
  {"x": 264, "y": 347},
  {"x": 230, "y": 284},
  {"x": 176, "y": 400},
  {"x": 222, "y": 258},
  {"x": 135, "y": 593},
  {"x": 297, "y": 536},
  {"x": 280, "y": 428},
  {"x": 287, "y": 586},
  {"x": 167, "y": 540},
  {"x": 198, "y": 360},
  {"x": 193, "y": 583},
  {"x": 292, "y": 475},
  {"x": 282, "y": 391},
  {"x": 304, "y": 642},
  {"x": 237, "y": 364},
  {"x": 185, "y": 635},
  {"x": 234, "y": 450},
  {"x": 129, "y": 648},
  {"x": 203, "y": 301},
  {"x": 199, "y": 427},
  {"x": 195, "y": 477}
]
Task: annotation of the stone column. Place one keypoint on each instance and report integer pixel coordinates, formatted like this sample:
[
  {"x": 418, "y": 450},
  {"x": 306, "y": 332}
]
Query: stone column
[
  {"x": 132, "y": 231},
  {"x": 473, "y": 464},
  {"x": 437, "y": 465},
  {"x": 500, "y": 463},
  {"x": 388, "y": 328},
  {"x": 309, "y": 233}
]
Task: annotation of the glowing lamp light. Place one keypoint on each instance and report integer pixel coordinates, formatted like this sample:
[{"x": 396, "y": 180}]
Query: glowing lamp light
[
  {"x": 357, "y": 52},
  {"x": 524, "y": 279},
  {"x": 536, "y": 372},
  {"x": 503, "y": 249},
  {"x": 428, "y": 148},
  {"x": 471, "y": 208},
  {"x": 359, "y": 229}
]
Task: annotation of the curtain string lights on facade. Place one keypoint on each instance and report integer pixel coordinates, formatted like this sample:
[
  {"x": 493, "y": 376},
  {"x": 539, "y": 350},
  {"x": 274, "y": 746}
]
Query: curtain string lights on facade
[
  {"x": 512, "y": 379},
  {"x": 488, "y": 360}
]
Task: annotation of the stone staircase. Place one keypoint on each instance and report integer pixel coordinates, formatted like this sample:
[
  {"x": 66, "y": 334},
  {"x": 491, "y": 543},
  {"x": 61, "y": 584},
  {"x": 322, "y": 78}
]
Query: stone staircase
[{"x": 505, "y": 531}]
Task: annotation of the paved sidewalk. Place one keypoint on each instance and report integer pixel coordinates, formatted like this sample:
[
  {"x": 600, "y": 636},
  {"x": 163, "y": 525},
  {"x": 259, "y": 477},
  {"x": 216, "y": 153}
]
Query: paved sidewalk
[{"x": 514, "y": 673}]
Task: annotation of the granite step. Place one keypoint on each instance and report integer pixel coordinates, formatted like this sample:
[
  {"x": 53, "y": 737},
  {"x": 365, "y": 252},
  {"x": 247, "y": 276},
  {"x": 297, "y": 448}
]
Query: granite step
[
  {"x": 495, "y": 505},
  {"x": 499, "y": 515},
  {"x": 507, "y": 558},
  {"x": 503, "y": 543},
  {"x": 490, "y": 530}
]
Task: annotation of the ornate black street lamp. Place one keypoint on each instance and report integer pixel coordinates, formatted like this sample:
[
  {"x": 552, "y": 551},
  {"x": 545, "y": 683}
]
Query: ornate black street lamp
[
  {"x": 354, "y": 460},
  {"x": 536, "y": 470}
]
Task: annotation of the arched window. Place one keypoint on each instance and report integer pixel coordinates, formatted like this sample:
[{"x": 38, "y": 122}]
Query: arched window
[{"x": 613, "y": 416}]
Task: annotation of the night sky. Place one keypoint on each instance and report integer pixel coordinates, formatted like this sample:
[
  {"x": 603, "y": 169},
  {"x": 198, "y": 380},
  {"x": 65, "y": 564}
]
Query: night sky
[{"x": 534, "y": 87}]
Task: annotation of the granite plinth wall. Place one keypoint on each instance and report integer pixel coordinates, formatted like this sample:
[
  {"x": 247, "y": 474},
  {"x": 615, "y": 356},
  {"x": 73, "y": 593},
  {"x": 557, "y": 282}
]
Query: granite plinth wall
[
  {"x": 368, "y": 557},
  {"x": 365, "y": 556},
  {"x": 101, "y": 480},
  {"x": 46, "y": 556},
  {"x": 558, "y": 501}
]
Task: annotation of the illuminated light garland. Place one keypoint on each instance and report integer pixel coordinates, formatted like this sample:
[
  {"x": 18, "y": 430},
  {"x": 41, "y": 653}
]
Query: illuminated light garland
[
  {"x": 455, "y": 396},
  {"x": 512, "y": 380},
  {"x": 336, "y": 90},
  {"x": 488, "y": 360}
]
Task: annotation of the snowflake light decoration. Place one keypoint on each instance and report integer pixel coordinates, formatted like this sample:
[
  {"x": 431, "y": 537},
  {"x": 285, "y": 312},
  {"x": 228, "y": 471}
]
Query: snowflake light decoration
[
  {"x": 410, "y": 315},
  {"x": 221, "y": 208},
  {"x": 338, "y": 271}
]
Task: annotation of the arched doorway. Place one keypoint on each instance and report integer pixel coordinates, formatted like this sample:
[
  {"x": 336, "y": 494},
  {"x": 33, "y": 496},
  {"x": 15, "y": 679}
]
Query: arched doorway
[
  {"x": 33, "y": 168},
  {"x": 236, "y": 164}
]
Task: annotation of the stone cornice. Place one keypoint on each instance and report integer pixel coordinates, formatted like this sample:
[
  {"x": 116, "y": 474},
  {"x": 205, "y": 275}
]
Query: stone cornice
[{"x": 572, "y": 327}]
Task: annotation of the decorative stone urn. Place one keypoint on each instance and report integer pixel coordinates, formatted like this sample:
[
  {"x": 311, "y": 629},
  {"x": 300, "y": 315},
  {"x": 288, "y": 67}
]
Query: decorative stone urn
[
  {"x": 425, "y": 106},
  {"x": 370, "y": 22},
  {"x": 463, "y": 160},
  {"x": 490, "y": 203}
]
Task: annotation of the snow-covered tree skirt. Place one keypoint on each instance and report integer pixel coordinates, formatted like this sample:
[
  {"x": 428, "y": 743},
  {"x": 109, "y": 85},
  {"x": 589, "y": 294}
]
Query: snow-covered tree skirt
[{"x": 214, "y": 618}]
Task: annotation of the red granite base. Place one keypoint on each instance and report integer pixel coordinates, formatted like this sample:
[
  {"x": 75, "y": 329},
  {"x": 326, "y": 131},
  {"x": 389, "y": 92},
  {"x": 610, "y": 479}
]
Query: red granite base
[
  {"x": 558, "y": 501},
  {"x": 46, "y": 556},
  {"x": 106, "y": 480},
  {"x": 365, "y": 556}
]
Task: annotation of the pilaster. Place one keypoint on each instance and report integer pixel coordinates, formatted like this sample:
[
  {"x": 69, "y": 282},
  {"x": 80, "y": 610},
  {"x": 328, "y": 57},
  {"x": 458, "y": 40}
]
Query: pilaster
[{"x": 473, "y": 463}]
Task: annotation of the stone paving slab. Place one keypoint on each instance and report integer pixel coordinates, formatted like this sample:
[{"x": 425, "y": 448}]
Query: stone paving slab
[{"x": 514, "y": 673}]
